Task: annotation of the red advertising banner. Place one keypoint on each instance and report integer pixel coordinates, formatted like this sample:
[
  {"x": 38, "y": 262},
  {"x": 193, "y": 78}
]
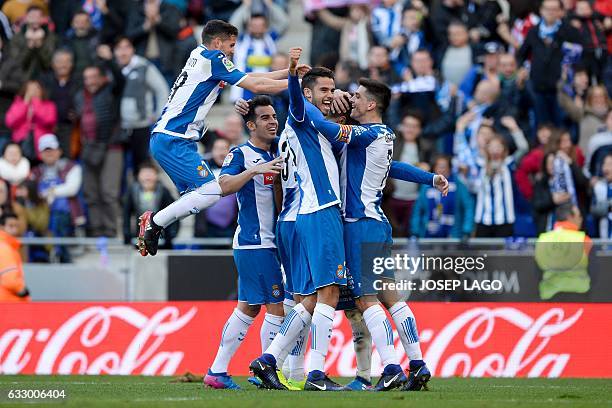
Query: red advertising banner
[{"x": 458, "y": 339}]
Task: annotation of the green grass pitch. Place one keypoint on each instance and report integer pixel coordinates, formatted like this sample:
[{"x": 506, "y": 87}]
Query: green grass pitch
[{"x": 119, "y": 391}]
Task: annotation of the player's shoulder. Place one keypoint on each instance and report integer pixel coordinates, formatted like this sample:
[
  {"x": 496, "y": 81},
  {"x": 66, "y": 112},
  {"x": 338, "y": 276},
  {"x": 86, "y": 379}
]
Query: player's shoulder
[
  {"x": 209, "y": 54},
  {"x": 235, "y": 155}
]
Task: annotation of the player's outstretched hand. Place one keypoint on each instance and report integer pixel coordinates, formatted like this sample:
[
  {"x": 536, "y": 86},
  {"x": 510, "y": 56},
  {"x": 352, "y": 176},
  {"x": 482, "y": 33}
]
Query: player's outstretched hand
[
  {"x": 242, "y": 106},
  {"x": 294, "y": 58},
  {"x": 341, "y": 102},
  {"x": 275, "y": 166},
  {"x": 441, "y": 184}
]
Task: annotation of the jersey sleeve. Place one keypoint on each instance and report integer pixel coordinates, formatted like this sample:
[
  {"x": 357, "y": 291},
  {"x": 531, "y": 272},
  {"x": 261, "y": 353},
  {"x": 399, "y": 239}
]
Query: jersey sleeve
[
  {"x": 223, "y": 69},
  {"x": 233, "y": 163},
  {"x": 408, "y": 172},
  {"x": 335, "y": 133},
  {"x": 296, "y": 99}
]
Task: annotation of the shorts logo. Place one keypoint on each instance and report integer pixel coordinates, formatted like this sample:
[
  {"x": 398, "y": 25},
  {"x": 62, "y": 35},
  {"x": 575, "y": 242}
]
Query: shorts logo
[
  {"x": 268, "y": 179},
  {"x": 202, "y": 171},
  {"x": 276, "y": 292},
  {"x": 229, "y": 65},
  {"x": 341, "y": 272},
  {"x": 228, "y": 159}
]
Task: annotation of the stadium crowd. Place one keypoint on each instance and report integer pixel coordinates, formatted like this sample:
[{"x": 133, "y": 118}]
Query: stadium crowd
[{"x": 509, "y": 99}]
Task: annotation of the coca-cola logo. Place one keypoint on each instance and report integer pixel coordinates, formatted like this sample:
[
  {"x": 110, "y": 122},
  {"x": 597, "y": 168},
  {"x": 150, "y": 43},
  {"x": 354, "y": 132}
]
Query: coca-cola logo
[
  {"x": 91, "y": 327},
  {"x": 455, "y": 349}
]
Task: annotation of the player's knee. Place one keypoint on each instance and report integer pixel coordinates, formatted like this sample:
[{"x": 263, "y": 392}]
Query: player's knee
[
  {"x": 388, "y": 298},
  {"x": 329, "y": 295},
  {"x": 249, "y": 310},
  {"x": 275, "y": 308},
  {"x": 365, "y": 302},
  {"x": 309, "y": 303}
]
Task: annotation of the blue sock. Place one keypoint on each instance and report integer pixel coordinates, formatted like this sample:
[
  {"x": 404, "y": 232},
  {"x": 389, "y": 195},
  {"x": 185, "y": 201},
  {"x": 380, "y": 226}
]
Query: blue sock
[
  {"x": 268, "y": 359},
  {"x": 416, "y": 364},
  {"x": 392, "y": 369},
  {"x": 316, "y": 375}
]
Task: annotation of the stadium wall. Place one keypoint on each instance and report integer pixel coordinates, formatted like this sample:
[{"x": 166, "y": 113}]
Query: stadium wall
[{"x": 170, "y": 338}]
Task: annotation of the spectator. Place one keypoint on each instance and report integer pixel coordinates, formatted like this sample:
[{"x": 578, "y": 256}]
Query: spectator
[
  {"x": 8, "y": 205},
  {"x": 380, "y": 69},
  {"x": 483, "y": 107},
  {"x": 602, "y": 199},
  {"x": 222, "y": 9},
  {"x": 406, "y": 149},
  {"x": 544, "y": 44},
  {"x": 61, "y": 13},
  {"x": 142, "y": 101},
  {"x": 11, "y": 80},
  {"x": 146, "y": 193},
  {"x": 153, "y": 29},
  {"x": 232, "y": 131},
  {"x": 435, "y": 216},
  {"x": 36, "y": 212},
  {"x": 488, "y": 70},
  {"x": 82, "y": 39},
  {"x": 62, "y": 85},
  {"x": 543, "y": 199},
  {"x": 59, "y": 182},
  {"x": 514, "y": 100},
  {"x": 274, "y": 14},
  {"x": 410, "y": 39},
  {"x": 387, "y": 21},
  {"x": 15, "y": 10},
  {"x": 347, "y": 76},
  {"x": 598, "y": 147},
  {"x": 354, "y": 34},
  {"x": 30, "y": 116},
  {"x": 12, "y": 283},
  {"x": 102, "y": 157},
  {"x": 115, "y": 14},
  {"x": 325, "y": 40},
  {"x": 254, "y": 51},
  {"x": 591, "y": 28},
  {"x": 483, "y": 18},
  {"x": 595, "y": 111},
  {"x": 531, "y": 165},
  {"x": 495, "y": 209},
  {"x": 218, "y": 221},
  {"x": 33, "y": 46},
  {"x": 14, "y": 168},
  {"x": 525, "y": 19},
  {"x": 186, "y": 41},
  {"x": 457, "y": 59},
  {"x": 572, "y": 94},
  {"x": 442, "y": 14},
  {"x": 567, "y": 169}
]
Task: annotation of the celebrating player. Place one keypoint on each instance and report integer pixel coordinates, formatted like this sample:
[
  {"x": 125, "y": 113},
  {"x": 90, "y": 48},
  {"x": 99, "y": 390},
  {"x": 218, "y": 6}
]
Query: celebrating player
[
  {"x": 182, "y": 124},
  {"x": 249, "y": 170}
]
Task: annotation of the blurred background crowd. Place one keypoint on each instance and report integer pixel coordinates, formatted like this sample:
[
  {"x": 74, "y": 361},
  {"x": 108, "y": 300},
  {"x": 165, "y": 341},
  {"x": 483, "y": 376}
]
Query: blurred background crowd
[{"x": 510, "y": 99}]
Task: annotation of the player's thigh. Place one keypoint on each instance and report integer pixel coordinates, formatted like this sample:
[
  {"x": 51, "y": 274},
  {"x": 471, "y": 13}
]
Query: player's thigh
[
  {"x": 285, "y": 234},
  {"x": 251, "y": 288},
  {"x": 181, "y": 161},
  {"x": 268, "y": 266},
  {"x": 321, "y": 236}
]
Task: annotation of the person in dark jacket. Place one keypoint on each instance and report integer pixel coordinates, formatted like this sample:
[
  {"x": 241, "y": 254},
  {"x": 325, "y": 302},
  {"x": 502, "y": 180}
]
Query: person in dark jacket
[
  {"x": 11, "y": 81},
  {"x": 146, "y": 193},
  {"x": 102, "y": 156},
  {"x": 545, "y": 44},
  {"x": 82, "y": 39},
  {"x": 153, "y": 29}
]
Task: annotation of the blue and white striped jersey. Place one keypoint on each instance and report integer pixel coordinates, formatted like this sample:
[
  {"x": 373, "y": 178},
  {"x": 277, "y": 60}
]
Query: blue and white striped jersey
[
  {"x": 256, "y": 211},
  {"x": 291, "y": 192},
  {"x": 495, "y": 197},
  {"x": 316, "y": 166},
  {"x": 195, "y": 91}
]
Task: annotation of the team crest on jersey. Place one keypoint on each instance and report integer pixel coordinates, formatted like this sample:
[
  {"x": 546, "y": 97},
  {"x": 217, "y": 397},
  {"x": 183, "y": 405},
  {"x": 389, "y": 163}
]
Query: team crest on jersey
[
  {"x": 229, "y": 65},
  {"x": 228, "y": 159},
  {"x": 202, "y": 171},
  {"x": 341, "y": 272},
  {"x": 276, "y": 292},
  {"x": 389, "y": 136}
]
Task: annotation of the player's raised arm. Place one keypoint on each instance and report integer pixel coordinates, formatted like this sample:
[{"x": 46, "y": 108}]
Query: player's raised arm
[{"x": 296, "y": 98}]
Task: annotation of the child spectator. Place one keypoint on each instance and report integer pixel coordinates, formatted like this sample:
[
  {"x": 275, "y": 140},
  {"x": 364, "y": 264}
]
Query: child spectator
[
  {"x": 602, "y": 199},
  {"x": 599, "y": 146},
  {"x": 592, "y": 30},
  {"x": 434, "y": 216},
  {"x": 410, "y": 39},
  {"x": 531, "y": 164},
  {"x": 14, "y": 168},
  {"x": 146, "y": 193},
  {"x": 30, "y": 116},
  {"x": 59, "y": 182},
  {"x": 8, "y": 205}
]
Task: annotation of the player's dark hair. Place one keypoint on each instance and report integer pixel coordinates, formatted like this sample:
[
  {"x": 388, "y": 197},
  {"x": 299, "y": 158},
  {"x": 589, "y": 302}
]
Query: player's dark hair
[
  {"x": 218, "y": 28},
  {"x": 564, "y": 211},
  {"x": 5, "y": 217},
  {"x": 259, "y": 100},
  {"x": 379, "y": 92},
  {"x": 310, "y": 79}
]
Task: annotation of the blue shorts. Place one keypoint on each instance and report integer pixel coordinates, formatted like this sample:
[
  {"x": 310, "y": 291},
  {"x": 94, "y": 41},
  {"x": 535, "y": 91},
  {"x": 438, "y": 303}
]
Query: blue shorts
[
  {"x": 321, "y": 238},
  {"x": 289, "y": 252},
  {"x": 365, "y": 240},
  {"x": 260, "y": 280},
  {"x": 181, "y": 161}
]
